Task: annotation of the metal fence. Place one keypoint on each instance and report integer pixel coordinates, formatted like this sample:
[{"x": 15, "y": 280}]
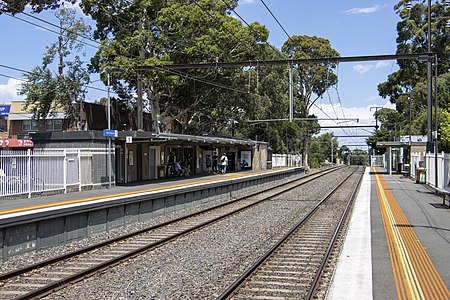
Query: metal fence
[
  {"x": 28, "y": 172},
  {"x": 286, "y": 160},
  {"x": 378, "y": 161},
  {"x": 443, "y": 165}
]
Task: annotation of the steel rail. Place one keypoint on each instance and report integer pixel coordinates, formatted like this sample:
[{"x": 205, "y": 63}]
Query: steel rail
[
  {"x": 50, "y": 261},
  {"x": 242, "y": 278},
  {"x": 339, "y": 227},
  {"x": 45, "y": 290}
]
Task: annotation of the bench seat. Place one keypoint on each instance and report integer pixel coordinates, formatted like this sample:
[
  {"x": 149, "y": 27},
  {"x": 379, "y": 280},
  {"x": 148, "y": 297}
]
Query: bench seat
[{"x": 445, "y": 193}]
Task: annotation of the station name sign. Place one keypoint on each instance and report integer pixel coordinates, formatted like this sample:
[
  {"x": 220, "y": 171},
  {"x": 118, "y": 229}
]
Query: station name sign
[
  {"x": 16, "y": 143},
  {"x": 4, "y": 110},
  {"x": 110, "y": 133}
]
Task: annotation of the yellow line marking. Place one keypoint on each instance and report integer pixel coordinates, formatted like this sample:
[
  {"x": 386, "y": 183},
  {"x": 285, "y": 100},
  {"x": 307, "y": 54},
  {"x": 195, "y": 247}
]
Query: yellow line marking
[
  {"x": 81, "y": 200},
  {"x": 411, "y": 265}
]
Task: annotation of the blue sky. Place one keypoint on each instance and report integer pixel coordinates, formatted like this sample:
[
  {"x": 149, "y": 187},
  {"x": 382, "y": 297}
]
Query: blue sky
[{"x": 354, "y": 28}]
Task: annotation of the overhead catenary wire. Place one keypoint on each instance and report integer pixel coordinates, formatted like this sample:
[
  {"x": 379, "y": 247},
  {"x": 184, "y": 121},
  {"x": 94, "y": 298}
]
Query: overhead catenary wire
[
  {"x": 248, "y": 25},
  {"x": 99, "y": 89},
  {"x": 203, "y": 81},
  {"x": 46, "y": 28},
  {"x": 29, "y": 72},
  {"x": 262, "y": 1},
  {"x": 289, "y": 37},
  {"x": 181, "y": 44}
]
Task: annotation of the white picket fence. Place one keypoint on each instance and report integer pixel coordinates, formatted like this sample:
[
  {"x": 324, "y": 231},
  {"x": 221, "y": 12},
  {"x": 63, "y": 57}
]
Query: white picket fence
[
  {"x": 443, "y": 165},
  {"x": 378, "y": 161},
  {"x": 28, "y": 172},
  {"x": 286, "y": 160}
]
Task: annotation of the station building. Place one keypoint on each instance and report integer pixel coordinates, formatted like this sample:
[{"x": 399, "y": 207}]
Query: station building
[{"x": 135, "y": 155}]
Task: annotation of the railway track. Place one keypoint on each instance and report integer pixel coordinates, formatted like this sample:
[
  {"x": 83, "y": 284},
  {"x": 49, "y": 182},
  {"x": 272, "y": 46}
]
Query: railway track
[
  {"x": 43, "y": 278},
  {"x": 294, "y": 267}
]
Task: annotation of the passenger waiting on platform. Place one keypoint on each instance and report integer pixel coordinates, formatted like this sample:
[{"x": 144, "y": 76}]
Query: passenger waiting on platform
[
  {"x": 223, "y": 163},
  {"x": 208, "y": 164},
  {"x": 178, "y": 169},
  {"x": 215, "y": 164}
]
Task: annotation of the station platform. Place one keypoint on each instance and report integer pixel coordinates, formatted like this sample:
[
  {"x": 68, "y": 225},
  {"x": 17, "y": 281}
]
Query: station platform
[
  {"x": 13, "y": 207},
  {"x": 38, "y": 223},
  {"x": 397, "y": 244}
]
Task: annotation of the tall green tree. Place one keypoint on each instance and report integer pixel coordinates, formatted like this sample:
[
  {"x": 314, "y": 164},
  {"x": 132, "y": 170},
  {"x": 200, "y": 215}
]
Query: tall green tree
[
  {"x": 17, "y": 6},
  {"x": 153, "y": 33},
  {"x": 324, "y": 149},
  {"x": 312, "y": 80},
  {"x": 45, "y": 92},
  {"x": 344, "y": 154},
  {"x": 411, "y": 78},
  {"x": 359, "y": 157}
]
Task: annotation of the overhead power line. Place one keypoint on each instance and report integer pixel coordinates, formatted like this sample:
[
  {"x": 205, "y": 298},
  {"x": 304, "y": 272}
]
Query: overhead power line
[
  {"x": 28, "y": 72},
  {"x": 252, "y": 63},
  {"x": 59, "y": 27},
  {"x": 46, "y": 28},
  {"x": 248, "y": 25},
  {"x": 204, "y": 81},
  {"x": 262, "y": 1}
]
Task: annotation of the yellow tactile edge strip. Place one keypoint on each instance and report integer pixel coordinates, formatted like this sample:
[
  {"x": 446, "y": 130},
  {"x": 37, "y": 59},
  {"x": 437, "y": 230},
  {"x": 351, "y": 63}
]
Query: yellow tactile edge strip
[
  {"x": 131, "y": 193},
  {"x": 415, "y": 274}
]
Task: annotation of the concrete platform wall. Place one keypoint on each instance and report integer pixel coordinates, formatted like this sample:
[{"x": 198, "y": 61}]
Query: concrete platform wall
[{"x": 46, "y": 230}]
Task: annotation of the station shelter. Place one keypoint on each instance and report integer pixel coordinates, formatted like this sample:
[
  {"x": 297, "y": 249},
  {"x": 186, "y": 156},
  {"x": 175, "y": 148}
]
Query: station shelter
[
  {"x": 400, "y": 155},
  {"x": 145, "y": 155}
]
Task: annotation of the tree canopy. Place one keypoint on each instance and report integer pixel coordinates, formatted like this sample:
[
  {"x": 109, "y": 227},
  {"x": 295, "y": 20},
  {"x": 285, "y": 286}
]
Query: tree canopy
[
  {"x": 407, "y": 87},
  {"x": 17, "y": 6},
  {"x": 46, "y": 92}
]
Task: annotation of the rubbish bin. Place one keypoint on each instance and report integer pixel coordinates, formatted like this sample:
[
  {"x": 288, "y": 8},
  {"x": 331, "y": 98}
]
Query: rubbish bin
[
  {"x": 421, "y": 175},
  {"x": 161, "y": 171}
]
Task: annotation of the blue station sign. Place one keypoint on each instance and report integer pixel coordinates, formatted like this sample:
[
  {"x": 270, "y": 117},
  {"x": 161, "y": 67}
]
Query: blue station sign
[
  {"x": 110, "y": 133},
  {"x": 4, "y": 110}
]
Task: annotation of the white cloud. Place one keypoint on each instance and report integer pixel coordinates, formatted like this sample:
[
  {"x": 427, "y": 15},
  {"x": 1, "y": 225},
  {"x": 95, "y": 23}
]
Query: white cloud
[
  {"x": 361, "y": 69},
  {"x": 362, "y": 10},
  {"x": 8, "y": 91},
  {"x": 247, "y": 1},
  {"x": 363, "y": 114}
]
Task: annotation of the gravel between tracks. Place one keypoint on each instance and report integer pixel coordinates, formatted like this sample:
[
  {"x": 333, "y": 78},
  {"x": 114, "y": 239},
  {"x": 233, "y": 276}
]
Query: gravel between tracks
[
  {"x": 44, "y": 254},
  {"x": 201, "y": 265}
]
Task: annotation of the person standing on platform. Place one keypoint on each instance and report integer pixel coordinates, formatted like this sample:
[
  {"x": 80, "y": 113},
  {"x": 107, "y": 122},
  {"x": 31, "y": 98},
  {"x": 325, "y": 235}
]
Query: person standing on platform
[
  {"x": 224, "y": 163},
  {"x": 215, "y": 164},
  {"x": 208, "y": 164}
]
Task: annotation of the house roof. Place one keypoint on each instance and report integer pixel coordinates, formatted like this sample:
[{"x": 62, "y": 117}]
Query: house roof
[
  {"x": 27, "y": 116},
  {"x": 142, "y": 136}
]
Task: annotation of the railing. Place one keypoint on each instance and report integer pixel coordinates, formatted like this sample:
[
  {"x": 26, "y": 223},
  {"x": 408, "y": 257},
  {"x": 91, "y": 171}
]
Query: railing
[
  {"x": 36, "y": 171},
  {"x": 378, "y": 161},
  {"x": 286, "y": 160},
  {"x": 443, "y": 164}
]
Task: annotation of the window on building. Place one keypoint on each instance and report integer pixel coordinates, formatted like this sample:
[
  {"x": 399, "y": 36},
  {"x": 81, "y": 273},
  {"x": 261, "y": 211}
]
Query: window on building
[
  {"x": 53, "y": 125},
  {"x": 29, "y": 125},
  {"x": 3, "y": 125}
]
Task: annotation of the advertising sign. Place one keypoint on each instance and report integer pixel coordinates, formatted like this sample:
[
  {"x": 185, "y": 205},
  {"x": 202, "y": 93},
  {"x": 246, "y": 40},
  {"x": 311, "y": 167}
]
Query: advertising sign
[
  {"x": 246, "y": 159},
  {"x": 16, "y": 143}
]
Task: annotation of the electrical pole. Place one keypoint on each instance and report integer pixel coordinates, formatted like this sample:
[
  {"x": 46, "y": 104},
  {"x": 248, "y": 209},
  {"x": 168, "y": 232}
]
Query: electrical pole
[
  {"x": 291, "y": 94},
  {"x": 429, "y": 83},
  {"x": 376, "y": 119},
  {"x": 139, "y": 102},
  {"x": 109, "y": 138}
]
